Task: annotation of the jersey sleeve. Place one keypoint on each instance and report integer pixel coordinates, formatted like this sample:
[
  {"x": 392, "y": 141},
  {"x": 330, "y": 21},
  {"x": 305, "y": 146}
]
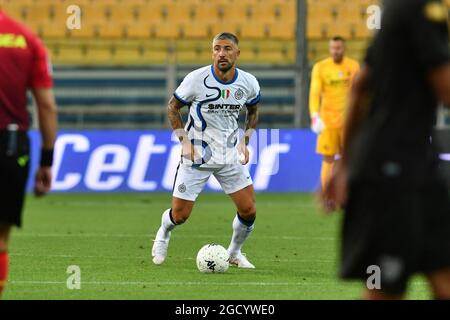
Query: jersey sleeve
[
  {"x": 315, "y": 90},
  {"x": 255, "y": 93},
  {"x": 41, "y": 69},
  {"x": 186, "y": 91},
  {"x": 429, "y": 34}
]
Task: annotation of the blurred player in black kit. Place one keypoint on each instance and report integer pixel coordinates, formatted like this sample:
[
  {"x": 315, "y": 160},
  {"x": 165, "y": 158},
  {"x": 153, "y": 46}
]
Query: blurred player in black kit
[{"x": 397, "y": 207}]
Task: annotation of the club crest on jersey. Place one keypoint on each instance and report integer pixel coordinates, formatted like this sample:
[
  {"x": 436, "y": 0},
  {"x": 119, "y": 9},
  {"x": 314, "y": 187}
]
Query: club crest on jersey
[
  {"x": 239, "y": 94},
  {"x": 225, "y": 93}
]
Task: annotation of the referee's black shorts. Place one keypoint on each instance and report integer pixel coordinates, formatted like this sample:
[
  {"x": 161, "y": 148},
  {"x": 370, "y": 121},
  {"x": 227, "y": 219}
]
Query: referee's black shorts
[
  {"x": 14, "y": 170},
  {"x": 400, "y": 229}
]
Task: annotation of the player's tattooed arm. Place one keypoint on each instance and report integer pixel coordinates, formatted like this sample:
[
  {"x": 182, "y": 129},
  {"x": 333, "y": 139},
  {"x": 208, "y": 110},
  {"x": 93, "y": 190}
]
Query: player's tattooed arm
[
  {"x": 173, "y": 113},
  {"x": 174, "y": 116},
  {"x": 251, "y": 122}
]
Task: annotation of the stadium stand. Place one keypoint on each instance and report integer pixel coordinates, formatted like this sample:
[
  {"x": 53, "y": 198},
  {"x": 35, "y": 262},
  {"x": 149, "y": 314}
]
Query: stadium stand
[
  {"x": 146, "y": 35},
  {"x": 145, "y": 21},
  {"x": 95, "y": 97}
]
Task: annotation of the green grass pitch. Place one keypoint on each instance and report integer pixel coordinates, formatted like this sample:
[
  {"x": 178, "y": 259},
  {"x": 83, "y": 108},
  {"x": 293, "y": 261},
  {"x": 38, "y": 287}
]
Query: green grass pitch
[{"x": 109, "y": 236}]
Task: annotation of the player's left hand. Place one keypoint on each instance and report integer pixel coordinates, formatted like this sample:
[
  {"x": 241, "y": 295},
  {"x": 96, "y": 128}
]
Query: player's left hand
[
  {"x": 334, "y": 194},
  {"x": 43, "y": 181},
  {"x": 243, "y": 150}
]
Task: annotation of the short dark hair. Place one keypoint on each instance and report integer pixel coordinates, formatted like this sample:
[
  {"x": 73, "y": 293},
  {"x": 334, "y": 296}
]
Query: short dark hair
[
  {"x": 227, "y": 36},
  {"x": 338, "y": 38}
]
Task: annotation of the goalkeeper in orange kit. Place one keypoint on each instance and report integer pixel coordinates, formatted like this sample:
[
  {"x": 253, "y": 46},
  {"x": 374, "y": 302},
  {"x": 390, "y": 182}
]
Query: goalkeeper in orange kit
[{"x": 330, "y": 85}]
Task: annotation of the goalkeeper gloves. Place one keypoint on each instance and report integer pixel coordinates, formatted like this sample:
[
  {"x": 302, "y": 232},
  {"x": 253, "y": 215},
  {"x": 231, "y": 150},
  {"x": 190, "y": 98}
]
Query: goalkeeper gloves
[{"x": 317, "y": 125}]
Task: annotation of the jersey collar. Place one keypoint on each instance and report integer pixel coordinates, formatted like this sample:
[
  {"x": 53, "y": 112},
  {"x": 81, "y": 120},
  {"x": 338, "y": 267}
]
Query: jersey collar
[{"x": 223, "y": 82}]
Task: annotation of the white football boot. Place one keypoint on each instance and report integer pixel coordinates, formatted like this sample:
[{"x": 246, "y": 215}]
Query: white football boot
[
  {"x": 159, "y": 250},
  {"x": 239, "y": 259}
]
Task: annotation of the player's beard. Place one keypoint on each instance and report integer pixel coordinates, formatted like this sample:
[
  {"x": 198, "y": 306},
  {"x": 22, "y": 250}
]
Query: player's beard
[{"x": 224, "y": 68}]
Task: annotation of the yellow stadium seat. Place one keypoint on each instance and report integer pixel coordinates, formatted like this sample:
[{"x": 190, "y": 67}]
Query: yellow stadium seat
[
  {"x": 58, "y": 12},
  {"x": 166, "y": 30},
  {"x": 123, "y": 13},
  {"x": 341, "y": 29},
  {"x": 286, "y": 12},
  {"x": 150, "y": 13},
  {"x": 15, "y": 11},
  {"x": 263, "y": 12},
  {"x": 111, "y": 30},
  {"x": 316, "y": 30},
  {"x": 127, "y": 55},
  {"x": 319, "y": 12},
  {"x": 239, "y": 12},
  {"x": 93, "y": 13},
  {"x": 154, "y": 56},
  {"x": 38, "y": 13},
  {"x": 254, "y": 30},
  {"x": 282, "y": 31},
  {"x": 98, "y": 54},
  {"x": 217, "y": 28},
  {"x": 68, "y": 54},
  {"x": 138, "y": 31},
  {"x": 195, "y": 30},
  {"x": 35, "y": 26},
  {"x": 207, "y": 13},
  {"x": 87, "y": 31},
  {"x": 360, "y": 31},
  {"x": 54, "y": 30},
  {"x": 181, "y": 12},
  {"x": 351, "y": 13}
]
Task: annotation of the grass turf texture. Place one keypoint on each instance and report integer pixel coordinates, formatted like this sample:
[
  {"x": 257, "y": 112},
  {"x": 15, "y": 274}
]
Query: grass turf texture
[{"x": 109, "y": 236}]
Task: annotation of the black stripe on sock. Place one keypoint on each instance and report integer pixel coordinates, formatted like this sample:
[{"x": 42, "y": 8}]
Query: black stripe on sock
[
  {"x": 171, "y": 218},
  {"x": 245, "y": 222}
]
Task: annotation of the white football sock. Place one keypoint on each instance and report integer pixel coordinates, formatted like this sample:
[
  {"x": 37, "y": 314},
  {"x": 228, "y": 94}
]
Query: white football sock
[
  {"x": 166, "y": 226},
  {"x": 240, "y": 234}
]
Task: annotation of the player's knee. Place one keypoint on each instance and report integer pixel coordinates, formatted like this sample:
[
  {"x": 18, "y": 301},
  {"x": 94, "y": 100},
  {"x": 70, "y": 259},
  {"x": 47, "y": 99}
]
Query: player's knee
[
  {"x": 180, "y": 215},
  {"x": 248, "y": 212}
]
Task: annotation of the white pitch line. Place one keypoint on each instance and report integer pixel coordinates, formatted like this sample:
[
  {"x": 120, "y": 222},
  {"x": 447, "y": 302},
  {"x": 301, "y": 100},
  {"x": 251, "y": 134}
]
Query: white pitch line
[
  {"x": 188, "y": 283},
  {"x": 197, "y": 236},
  {"x": 149, "y": 204},
  {"x": 145, "y": 256},
  {"x": 176, "y": 283}
]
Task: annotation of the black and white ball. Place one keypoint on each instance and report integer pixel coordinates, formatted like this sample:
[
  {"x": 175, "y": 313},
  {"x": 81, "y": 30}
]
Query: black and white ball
[{"x": 212, "y": 258}]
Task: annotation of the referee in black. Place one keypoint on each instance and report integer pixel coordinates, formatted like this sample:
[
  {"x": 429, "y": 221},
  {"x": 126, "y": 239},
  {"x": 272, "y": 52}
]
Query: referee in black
[{"x": 397, "y": 207}]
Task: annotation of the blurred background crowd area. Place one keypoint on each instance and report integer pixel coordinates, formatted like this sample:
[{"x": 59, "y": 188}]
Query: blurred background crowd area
[{"x": 120, "y": 67}]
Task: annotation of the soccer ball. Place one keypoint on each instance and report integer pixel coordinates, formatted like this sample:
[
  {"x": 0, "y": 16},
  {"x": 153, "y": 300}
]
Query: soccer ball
[{"x": 212, "y": 258}]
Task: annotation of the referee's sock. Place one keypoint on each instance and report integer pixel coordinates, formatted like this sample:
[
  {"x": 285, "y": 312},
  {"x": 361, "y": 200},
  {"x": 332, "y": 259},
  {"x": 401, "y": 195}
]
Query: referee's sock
[
  {"x": 241, "y": 230},
  {"x": 4, "y": 260}
]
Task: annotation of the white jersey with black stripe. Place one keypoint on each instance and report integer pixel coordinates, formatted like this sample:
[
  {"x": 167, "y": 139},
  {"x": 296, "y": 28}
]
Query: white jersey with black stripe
[{"x": 214, "y": 108}]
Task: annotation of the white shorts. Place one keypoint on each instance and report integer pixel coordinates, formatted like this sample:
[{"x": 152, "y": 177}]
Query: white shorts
[{"x": 189, "y": 181}]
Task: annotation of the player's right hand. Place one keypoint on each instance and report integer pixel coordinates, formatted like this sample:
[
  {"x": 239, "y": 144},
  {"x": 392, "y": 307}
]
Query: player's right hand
[
  {"x": 43, "y": 181},
  {"x": 188, "y": 151},
  {"x": 317, "y": 125}
]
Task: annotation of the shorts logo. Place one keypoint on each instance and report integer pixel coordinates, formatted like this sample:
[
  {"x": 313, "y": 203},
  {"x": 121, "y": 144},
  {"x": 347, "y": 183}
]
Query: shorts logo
[
  {"x": 182, "y": 188},
  {"x": 239, "y": 94}
]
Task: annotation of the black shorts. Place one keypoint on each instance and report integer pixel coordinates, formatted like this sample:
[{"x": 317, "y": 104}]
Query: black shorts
[
  {"x": 14, "y": 170},
  {"x": 402, "y": 230}
]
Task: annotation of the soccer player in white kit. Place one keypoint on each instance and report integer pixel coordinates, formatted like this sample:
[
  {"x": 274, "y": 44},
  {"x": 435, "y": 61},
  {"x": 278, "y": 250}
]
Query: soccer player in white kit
[{"x": 215, "y": 94}]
